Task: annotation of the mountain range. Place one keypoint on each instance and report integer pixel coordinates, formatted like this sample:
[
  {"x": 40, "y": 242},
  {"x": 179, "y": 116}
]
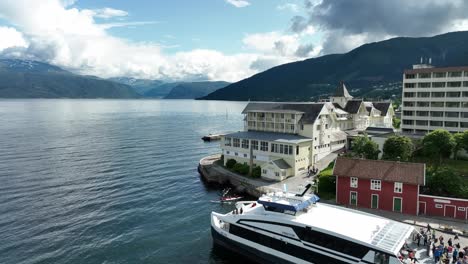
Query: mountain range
[
  {"x": 369, "y": 67},
  {"x": 32, "y": 79}
]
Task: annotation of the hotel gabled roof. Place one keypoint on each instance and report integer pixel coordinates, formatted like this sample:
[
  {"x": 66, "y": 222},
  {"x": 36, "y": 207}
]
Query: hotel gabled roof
[
  {"x": 392, "y": 171},
  {"x": 310, "y": 111}
]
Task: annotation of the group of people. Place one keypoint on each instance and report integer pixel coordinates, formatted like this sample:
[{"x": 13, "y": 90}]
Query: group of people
[
  {"x": 444, "y": 251},
  {"x": 312, "y": 171}
]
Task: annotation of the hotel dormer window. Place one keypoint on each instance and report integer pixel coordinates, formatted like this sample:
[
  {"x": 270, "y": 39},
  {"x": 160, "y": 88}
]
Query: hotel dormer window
[
  {"x": 245, "y": 143},
  {"x": 398, "y": 188},
  {"x": 236, "y": 142},
  {"x": 227, "y": 141}
]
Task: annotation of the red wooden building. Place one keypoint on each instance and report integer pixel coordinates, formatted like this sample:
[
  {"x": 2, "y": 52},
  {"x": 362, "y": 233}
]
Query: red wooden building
[{"x": 392, "y": 186}]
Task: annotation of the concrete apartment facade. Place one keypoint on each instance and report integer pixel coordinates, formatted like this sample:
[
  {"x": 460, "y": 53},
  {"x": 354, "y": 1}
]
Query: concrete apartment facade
[
  {"x": 285, "y": 139},
  {"x": 435, "y": 98}
]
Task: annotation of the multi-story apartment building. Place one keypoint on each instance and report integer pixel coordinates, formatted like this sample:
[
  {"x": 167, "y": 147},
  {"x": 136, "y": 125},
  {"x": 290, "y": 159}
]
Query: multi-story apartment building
[
  {"x": 284, "y": 139},
  {"x": 435, "y": 98}
]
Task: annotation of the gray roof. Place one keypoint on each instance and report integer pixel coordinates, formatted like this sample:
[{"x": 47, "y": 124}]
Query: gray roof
[
  {"x": 342, "y": 91},
  {"x": 352, "y": 106},
  {"x": 280, "y": 163},
  {"x": 269, "y": 136},
  {"x": 310, "y": 111},
  {"x": 382, "y": 107}
]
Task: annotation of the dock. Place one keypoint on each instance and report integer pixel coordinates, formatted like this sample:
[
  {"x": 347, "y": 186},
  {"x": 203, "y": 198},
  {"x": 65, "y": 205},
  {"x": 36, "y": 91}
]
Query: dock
[{"x": 212, "y": 137}]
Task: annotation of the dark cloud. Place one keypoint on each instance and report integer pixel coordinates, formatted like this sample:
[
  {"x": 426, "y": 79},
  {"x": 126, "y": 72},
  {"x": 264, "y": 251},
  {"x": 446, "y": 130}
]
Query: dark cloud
[
  {"x": 304, "y": 50},
  {"x": 395, "y": 17},
  {"x": 299, "y": 24},
  {"x": 373, "y": 20}
]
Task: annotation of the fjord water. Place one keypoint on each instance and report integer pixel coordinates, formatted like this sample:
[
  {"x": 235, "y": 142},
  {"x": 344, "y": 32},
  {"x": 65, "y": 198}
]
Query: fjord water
[{"x": 109, "y": 181}]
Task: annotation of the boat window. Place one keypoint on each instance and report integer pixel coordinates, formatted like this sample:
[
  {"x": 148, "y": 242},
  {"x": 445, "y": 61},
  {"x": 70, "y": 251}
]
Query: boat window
[
  {"x": 381, "y": 258},
  {"x": 331, "y": 242},
  {"x": 282, "y": 246}
]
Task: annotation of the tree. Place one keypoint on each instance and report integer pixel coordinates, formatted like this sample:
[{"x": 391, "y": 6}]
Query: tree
[
  {"x": 230, "y": 163},
  {"x": 364, "y": 147},
  {"x": 397, "y": 148},
  {"x": 396, "y": 122},
  {"x": 438, "y": 144},
  {"x": 461, "y": 142},
  {"x": 445, "y": 182}
]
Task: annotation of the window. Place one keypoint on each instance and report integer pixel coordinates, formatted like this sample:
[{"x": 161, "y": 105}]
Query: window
[
  {"x": 424, "y": 75},
  {"x": 422, "y": 113},
  {"x": 454, "y": 84},
  {"x": 398, "y": 187},
  {"x": 465, "y": 84},
  {"x": 408, "y": 122},
  {"x": 438, "y": 94},
  {"x": 408, "y": 94},
  {"x": 227, "y": 141},
  {"x": 274, "y": 147},
  {"x": 410, "y": 85},
  {"x": 376, "y": 185},
  {"x": 440, "y": 74},
  {"x": 423, "y": 104},
  {"x": 437, "y": 123},
  {"x": 245, "y": 155},
  {"x": 297, "y": 150},
  {"x": 408, "y": 104},
  {"x": 452, "y": 114},
  {"x": 236, "y": 142},
  {"x": 438, "y": 84},
  {"x": 408, "y": 113},
  {"x": 464, "y": 124},
  {"x": 439, "y": 206},
  {"x": 227, "y": 152},
  {"x": 437, "y": 113},
  {"x": 409, "y": 76},
  {"x": 451, "y": 124},
  {"x": 465, "y": 104},
  {"x": 466, "y": 74},
  {"x": 421, "y": 122},
  {"x": 264, "y": 146},
  {"x": 354, "y": 182},
  {"x": 453, "y": 94},
  {"x": 437, "y": 104},
  {"x": 455, "y": 74},
  {"x": 264, "y": 171},
  {"x": 452, "y": 104},
  {"x": 465, "y": 94},
  {"x": 236, "y": 154},
  {"x": 424, "y": 85},
  {"x": 245, "y": 143},
  {"x": 277, "y": 174},
  {"x": 464, "y": 114},
  {"x": 254, "y": 144},
  {"x": 381, "y": 258},
  {"x": 424, "y": 94}
]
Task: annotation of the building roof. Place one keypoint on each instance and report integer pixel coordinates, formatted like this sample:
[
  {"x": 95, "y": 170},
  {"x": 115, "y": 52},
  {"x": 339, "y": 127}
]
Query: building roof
[
  {"x": 352, "y": 106},
  {"x": 379, "y": 130},
  {"x": 269, "y": 136},
  {"x": 310, "y": 111},
  {"x": 444, "y": 69},
  {"x": 342, "y": 91},
  {"x": 338, "y": 135},
  {"x": 382, "y": 107},
  {"x": 281, "y": 164},
  {"x": 392, "y": 171}
]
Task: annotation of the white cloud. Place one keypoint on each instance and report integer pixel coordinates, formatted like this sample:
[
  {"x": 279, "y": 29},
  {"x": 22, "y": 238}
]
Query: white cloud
[
  {"x": 109, "y": 13},
  {"x": 10, "y": 37},
  {"x": 288, "y": 6},
  {"x": 238, "y": 3}
]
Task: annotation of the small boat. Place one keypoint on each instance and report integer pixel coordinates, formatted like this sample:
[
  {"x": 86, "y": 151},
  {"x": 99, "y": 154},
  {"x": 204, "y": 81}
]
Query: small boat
[
  {"x": 212, "y": 137},
  {"x": 225, "y": 198}
]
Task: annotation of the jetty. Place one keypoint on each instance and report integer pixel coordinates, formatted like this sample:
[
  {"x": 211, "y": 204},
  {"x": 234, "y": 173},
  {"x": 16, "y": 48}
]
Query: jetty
[
  {"x": 212, "y": 137},
  {"x": 213, "y": 172}
]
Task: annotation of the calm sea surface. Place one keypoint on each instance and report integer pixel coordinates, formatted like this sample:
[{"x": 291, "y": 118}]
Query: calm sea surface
[{"x": 109, "y": 181}]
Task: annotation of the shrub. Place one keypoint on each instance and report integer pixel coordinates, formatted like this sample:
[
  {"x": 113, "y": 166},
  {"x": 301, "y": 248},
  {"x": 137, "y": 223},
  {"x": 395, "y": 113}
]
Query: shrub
[
  {"x": 241, "y": 168},
  {"x": 230, "y": 163},
  {"x": 256, "y": 172},
  {"x": 222, "y": 159}
]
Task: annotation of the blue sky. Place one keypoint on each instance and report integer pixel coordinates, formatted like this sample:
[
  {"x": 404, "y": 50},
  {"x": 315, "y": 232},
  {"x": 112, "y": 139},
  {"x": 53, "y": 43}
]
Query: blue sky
[
  {"x": 207, "y": 39},
  {"x": 211, "y": 24}
]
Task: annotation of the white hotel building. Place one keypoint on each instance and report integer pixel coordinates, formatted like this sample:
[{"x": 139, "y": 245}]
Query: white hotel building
[
  {"x": 435, "y": 98},
  {"x": 286, "y": 138}
]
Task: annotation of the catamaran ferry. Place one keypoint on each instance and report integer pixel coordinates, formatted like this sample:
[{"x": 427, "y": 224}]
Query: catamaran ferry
[{"x": 294, "y": 228}]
